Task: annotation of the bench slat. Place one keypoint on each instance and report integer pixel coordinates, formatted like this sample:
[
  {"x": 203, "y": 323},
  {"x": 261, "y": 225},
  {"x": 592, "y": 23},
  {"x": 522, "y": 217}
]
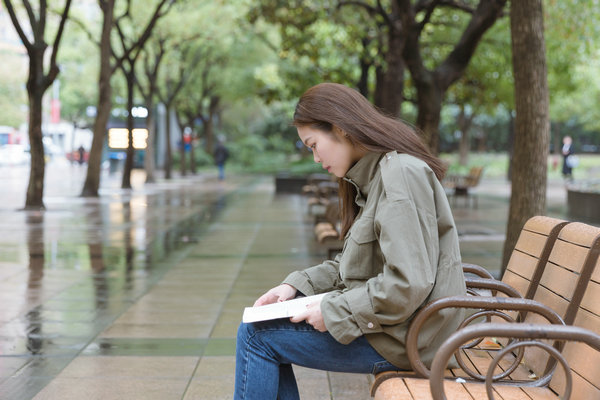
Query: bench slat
[
  {"x": 591, "y": 298},
  {"x": 454, "y": 390},
  {"x": 560, "y": 281},
  {"x": 516, "y": 281},
  {"x": 582, "y": 389},
  {"x": 531, "y": 243},
  {"x": 511, "y": 392},
  {"x": 568, "y": 255},
  {"x": 393, "y": 389},
  {"x": 521, "y": 264},
  {"x": 477, "y": 391},
  {"x": 538, "y": 393}
]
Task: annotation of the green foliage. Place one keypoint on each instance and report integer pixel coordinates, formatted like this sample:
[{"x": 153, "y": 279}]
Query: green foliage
[
  {"x": 316, "y": 42},
  {"x": 202, "y": 158},
  {"x": 496, "y": 164},
  {"x": 256, "y": 153},
  {"x": 79, "y": 61},
  {"x": 13, "y": 97},
  {"x": 258, "y": 56}
]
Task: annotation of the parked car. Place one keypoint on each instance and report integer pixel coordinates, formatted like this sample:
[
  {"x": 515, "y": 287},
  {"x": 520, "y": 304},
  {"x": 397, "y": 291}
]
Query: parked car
[{"x": 14, "y": 154}]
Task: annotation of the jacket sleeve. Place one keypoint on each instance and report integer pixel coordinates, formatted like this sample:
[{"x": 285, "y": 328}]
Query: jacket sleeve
[
  {"x": 318, "y": 279},
  {"x": 406, "y": 231}
]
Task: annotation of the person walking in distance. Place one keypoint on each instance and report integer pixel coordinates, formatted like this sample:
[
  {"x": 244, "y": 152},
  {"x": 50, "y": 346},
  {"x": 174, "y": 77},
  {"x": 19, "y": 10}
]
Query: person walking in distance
[{"x": 221, "y": 155}]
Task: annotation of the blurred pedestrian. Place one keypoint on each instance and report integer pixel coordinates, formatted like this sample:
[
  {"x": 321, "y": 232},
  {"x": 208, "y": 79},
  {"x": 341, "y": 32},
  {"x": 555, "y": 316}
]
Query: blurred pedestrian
[
  {"x": 81, "y": 154},
  {"x": 570, "y": 161},
  {"x": 221, "y": 155}
]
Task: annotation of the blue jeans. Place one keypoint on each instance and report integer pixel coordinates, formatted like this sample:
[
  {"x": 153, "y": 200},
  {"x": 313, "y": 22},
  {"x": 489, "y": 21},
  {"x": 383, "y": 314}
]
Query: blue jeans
[
  {"x": 266, "y": 350},
  {"x": 221, "y": 168}
]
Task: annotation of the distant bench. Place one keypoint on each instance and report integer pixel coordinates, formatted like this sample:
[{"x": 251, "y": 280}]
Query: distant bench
[
  {"x": 327, "y": 230},
  {"x": 463, "y": 185},
  {"x": 322, "y": 201},
  {"x": 548, "y": 296}
]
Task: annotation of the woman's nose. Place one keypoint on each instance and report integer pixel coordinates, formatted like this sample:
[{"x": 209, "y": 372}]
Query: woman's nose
[{"x": 316, "y": 157}]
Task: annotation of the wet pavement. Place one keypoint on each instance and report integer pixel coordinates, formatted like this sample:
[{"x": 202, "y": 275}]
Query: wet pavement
[{"x": 137, "y": 294}]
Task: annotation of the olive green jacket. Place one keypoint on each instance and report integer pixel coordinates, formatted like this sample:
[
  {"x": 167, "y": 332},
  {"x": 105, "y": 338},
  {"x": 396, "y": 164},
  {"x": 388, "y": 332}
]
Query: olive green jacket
[{"x": 400, "y": 253}]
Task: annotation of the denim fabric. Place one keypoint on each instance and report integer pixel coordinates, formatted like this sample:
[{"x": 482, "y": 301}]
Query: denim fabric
[
  {"x": 266, "y": 350},
  {"x": 221, "y": 168}
]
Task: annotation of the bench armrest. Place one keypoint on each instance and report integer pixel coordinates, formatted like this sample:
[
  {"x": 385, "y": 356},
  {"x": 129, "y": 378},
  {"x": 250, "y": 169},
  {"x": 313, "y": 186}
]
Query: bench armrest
[
  {"x": 477, "y": 270},
  {"x": 491, "y": 284},
  {"x": 517, "y": 330},
  {"x": 468, "y": 302}
]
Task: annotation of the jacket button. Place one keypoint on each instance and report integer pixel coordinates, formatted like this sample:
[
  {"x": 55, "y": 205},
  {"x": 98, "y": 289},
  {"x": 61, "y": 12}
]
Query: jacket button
[{"x": 370, "y": 325}]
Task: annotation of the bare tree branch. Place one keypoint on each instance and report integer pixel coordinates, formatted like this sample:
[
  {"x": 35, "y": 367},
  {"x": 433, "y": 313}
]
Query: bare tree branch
[
  {"x": 42, "y": 22},
  {"x": 15, "y": 21},
  {"x": 429, "y": 11},
  {"x": 370, "y": 9},
  {"x": 84, "y": 27},
  {"x": 53, "y": 68}
]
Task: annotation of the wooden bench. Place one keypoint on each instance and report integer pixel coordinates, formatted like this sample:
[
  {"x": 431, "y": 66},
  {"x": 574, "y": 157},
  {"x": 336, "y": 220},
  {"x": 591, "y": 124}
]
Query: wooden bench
[
  {"x": 463, "y": 185},
  {"x": 327, "y": 230},
  {"x": 527, "y": 261},
  {"x": 566, "y": 284},
  {"x": 320, "y": 190}
]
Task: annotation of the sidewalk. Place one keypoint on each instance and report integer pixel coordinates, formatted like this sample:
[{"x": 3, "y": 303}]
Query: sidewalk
[{"x": 138, "y": 294}]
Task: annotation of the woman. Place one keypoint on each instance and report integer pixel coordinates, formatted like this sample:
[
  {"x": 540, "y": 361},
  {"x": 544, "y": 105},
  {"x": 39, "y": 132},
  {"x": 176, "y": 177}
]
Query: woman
[{"x": 400, "y": 252}]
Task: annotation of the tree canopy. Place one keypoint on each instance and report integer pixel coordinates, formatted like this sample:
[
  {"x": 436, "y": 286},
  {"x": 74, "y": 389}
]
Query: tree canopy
[{"x": 257, "y": 57}]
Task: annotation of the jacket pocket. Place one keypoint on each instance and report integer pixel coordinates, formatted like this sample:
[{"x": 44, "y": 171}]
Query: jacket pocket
[{"x": 358, "y": 258}]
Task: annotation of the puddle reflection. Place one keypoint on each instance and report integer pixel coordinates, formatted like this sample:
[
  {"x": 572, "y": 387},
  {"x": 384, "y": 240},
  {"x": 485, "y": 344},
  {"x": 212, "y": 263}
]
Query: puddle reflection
[
  {"x": 87, "y": 266},
  {"x": 35, "y": 245}
]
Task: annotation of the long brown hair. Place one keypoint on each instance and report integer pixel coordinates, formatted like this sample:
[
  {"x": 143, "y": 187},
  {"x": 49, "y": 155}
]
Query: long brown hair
[{"x": 330, "y": 104}]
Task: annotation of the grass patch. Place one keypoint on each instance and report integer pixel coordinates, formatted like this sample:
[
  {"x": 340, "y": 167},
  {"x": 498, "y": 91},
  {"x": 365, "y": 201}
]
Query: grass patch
[{"x": 496, "y": 165}]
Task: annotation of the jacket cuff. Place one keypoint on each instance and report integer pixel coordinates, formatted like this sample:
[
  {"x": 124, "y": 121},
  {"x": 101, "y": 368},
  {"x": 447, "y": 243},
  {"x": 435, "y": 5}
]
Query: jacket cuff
[
  {"x": 349, "y": 315},
  {"x": 299, "y": 280},
  {"x": 362, "y": 310}
]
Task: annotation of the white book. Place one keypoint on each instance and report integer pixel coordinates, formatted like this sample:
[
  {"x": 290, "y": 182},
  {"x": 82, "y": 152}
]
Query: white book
[{"x": 284, "y": 309}]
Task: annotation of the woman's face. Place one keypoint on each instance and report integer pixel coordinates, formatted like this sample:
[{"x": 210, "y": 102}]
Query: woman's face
[{"x": 333, "y": 150}]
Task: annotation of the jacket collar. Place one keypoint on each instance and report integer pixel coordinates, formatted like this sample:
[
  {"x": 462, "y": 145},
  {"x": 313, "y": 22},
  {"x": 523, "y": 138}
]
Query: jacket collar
[{"x": 361, "y": 174}]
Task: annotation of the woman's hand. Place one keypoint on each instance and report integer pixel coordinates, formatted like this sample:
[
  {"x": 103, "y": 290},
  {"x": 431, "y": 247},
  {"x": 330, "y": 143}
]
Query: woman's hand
[
  {"x": 312, "y": 316},
  {"x": 279, "y": 293}
]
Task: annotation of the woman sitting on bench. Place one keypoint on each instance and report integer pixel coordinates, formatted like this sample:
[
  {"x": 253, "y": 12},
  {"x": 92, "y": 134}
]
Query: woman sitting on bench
[{"x": 400, "y": 252}]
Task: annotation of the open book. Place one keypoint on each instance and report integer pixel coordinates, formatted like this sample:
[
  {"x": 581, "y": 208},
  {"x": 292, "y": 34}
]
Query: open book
[{"x": 284, "y": 309}]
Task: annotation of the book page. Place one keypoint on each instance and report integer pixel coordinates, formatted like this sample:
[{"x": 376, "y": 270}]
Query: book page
[{"x": 284, "y": 309}]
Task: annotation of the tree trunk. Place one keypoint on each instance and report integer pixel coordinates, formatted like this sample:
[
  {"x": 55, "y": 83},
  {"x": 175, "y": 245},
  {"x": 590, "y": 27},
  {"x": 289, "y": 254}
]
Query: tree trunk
[
  {"x": 168, "y": 154},
  {"x": 193, "y": 167},
  {"x": 511, "y": 144},
  {"x": 429, "y": 101},
  {"x": 364, "y": 65},
  {"x": 92, "y": 179},
  {"x": 129, "y": 76},
  {"x": 392, "y": 91},
  {"x": 379, "y": 85},
  {"x": 464, "y": 146},
  {"x": 149, "y": 163},
  {"x": 532, "y": 127},
  {"x": 183, "y": 163},
  {"x": 556, "y": 138},
  {"x": 35, "y": 189},
  {"x": 213, "y": 110},
  {"x": 432, "y": 85},
  {"x": 208, "y": 134}
]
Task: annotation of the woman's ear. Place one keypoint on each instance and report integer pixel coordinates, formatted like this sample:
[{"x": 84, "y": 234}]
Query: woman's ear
[{"x": 339, "y": 132}]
